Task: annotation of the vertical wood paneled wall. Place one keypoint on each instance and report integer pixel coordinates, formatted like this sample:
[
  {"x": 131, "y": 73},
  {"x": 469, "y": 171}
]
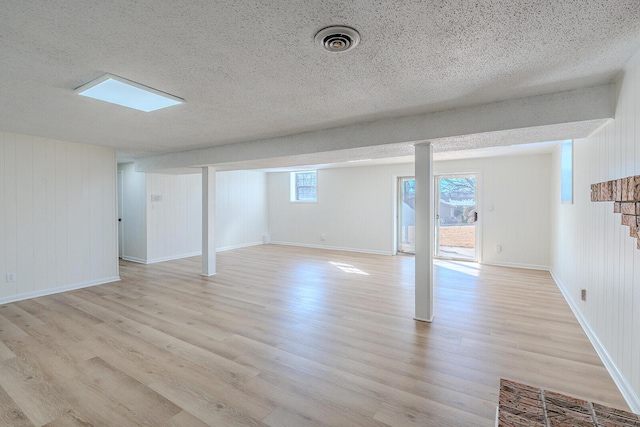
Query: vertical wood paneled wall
[
  {"x": 592, "y": 251},
  {"x": 170, "y": 228},
  {"x": 174, "y": 224},
  {"x": 58, "y": 226},
  {"x": 241, "y": 209}
]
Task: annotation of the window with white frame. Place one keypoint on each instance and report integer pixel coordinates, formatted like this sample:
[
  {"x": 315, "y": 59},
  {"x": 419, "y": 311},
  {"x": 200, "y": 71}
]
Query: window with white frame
[{"x": 303, "y": 186}]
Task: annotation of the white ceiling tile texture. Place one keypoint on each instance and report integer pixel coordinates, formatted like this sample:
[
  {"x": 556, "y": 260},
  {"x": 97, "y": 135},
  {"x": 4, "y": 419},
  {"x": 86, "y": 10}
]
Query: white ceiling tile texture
[{"x": 249, "y": 70}]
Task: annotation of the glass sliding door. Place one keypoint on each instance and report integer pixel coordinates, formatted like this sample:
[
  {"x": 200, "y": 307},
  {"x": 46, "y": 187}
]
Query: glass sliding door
[
  {"x": 407, "y": 214},
  {"x": 456, "y": 217}
]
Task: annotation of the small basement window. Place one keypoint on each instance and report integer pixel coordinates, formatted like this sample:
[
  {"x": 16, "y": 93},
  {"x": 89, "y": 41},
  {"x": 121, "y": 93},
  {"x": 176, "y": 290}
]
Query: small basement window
[
  {"x": 566, "y": 172},
  {"x": 303, "y": 186}
]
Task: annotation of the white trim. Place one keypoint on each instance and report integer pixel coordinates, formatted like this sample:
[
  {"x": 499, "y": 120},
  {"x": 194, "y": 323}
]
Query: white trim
[
  {"x": 58, "y": 290},
  {"x": 394, "y": 213},
  {"x": 188, "y": 255},
  {"x": 332, "y": 248},
  {"x": 517, "y": 265},
  {"x": 292, "y": 186},
  {"x": 173, "y": 257},
  {"x": 119, "y": 211},
  {"x": 477, "y": 173},
  {"x": 397, "y": 211},
  {"x": 241, "y": 245},
  {"x": 134, "y": 259},
  {"x": 424, "y": 320},
  {"x": 481, "y": 212},
  {"x": 630, "y": 396}
]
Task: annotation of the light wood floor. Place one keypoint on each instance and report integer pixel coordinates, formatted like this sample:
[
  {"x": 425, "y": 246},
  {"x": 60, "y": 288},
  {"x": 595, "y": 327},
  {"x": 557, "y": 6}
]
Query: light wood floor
[{"x": 293, "y": 337}]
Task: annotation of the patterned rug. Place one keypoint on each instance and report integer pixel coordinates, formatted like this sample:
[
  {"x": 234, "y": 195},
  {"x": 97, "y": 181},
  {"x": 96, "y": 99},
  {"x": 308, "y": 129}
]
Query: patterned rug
[{"x": 525, "y": 406}]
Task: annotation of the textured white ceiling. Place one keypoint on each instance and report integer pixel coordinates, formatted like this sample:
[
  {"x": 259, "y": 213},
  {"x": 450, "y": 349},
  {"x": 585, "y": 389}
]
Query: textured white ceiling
[{"x": 250, "y": 70}]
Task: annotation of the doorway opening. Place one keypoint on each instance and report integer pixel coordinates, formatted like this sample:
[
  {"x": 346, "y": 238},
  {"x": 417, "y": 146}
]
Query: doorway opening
[{"x": 456, "y": 231}]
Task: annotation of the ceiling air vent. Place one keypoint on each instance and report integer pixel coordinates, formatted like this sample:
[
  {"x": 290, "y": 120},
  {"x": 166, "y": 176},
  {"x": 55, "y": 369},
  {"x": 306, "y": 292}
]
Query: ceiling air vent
[{"x": 338, "y": 39}]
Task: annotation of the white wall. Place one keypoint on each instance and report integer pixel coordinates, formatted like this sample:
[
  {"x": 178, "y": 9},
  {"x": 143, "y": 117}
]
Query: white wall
[
  {"x": 592, "y": 251},
  {"x": 355, "y": 208},
  {"x": 172, "y": 228},
  {"x": 174, "y": 224},
  {"x": 58, "y": 225},
  {"x": 517, "y": 188},
  {"x": 241, "y": 209}
]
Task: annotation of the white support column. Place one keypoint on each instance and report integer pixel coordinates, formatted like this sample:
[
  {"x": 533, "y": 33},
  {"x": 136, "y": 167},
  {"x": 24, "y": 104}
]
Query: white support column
[
  {"x": 425, "y": 242},
  {"x": 208, "y": 221}
]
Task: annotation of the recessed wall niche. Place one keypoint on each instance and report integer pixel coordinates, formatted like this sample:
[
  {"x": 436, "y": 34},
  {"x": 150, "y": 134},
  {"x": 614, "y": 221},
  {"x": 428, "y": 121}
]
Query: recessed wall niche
[{"x": 625, "y": 195}]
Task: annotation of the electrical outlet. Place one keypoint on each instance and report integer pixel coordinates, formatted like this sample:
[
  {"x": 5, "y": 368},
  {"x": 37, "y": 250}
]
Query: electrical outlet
[
  {"x": 11, "y": 277},
  {"x": 323, "y": 236},
  {"x": 583, "y": 295},
  {"x": 498, "y": 249}
]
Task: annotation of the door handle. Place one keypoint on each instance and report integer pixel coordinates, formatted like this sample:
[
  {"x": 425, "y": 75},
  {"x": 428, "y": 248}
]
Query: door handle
[{"x": 475, "y": 216}]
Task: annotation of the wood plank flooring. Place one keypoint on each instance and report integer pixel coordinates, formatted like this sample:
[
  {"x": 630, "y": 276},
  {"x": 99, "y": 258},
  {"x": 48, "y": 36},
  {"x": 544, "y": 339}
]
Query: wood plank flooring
[{"x": 296, "y": 337}]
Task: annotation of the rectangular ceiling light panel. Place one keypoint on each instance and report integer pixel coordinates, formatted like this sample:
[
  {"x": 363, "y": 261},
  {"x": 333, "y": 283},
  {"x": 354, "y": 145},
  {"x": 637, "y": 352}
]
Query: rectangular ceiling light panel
[{"x": 117, "y": 90}]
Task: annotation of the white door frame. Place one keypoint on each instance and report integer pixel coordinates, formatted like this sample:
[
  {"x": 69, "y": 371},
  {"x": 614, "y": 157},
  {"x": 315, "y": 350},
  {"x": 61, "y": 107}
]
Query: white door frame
[
  {"x": 398, "y": 212},
  {"x": 120, "y": 212},
  {"x": 478, "y": 243}
]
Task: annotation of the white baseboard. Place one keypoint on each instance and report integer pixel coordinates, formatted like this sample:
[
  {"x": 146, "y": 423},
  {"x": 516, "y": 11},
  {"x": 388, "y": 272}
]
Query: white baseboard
[
  {"x": 332, "y": 248},
  {"x": 517, "y": 265},
  {"x": 134, "y": 259},
  {"x": 173, "y": 257},
  {"x": 156, "y": 260},
  {"x": 241, "y": 245},
  {"x": 630, "y": 396},
  {"x": 188, "y": 255},
  {"x": 57, "y": 290}
]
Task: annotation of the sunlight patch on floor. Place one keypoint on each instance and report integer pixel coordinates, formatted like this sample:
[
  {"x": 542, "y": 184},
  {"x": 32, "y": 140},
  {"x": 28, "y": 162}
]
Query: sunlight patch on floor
[
  {"x": 348, "y": 268},
  {"x": 470, "y": 268}
]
